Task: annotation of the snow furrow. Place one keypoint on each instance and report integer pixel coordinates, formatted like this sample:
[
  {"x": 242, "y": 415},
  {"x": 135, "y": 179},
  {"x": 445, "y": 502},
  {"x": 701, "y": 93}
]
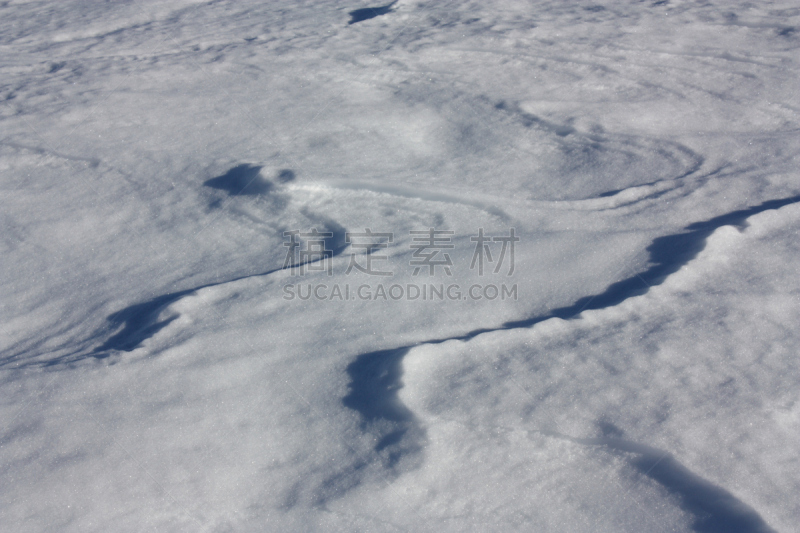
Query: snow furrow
[{"x": 376, "y": 377}]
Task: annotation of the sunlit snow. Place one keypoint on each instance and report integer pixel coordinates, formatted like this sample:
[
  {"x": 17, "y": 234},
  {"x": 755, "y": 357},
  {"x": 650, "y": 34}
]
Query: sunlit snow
[{"x": 220, "y": 313}]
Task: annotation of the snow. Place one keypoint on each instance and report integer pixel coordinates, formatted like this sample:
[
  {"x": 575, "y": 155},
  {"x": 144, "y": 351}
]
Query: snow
[{"x": 156, "y": 375}]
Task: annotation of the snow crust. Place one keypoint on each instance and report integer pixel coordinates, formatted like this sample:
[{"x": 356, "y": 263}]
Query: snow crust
[{"x": 155, "y": 374}]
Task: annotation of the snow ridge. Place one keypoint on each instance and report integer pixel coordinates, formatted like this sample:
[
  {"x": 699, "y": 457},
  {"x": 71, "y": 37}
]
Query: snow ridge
[{"x": 376, "y": 378}]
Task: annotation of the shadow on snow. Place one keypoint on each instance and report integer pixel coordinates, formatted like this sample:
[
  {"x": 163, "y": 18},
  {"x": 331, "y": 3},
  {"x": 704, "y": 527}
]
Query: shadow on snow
[
  {"x": 715, "y": 510},
  {"x": 376, "y": 378},
  {"x": 367, "y": 13}
]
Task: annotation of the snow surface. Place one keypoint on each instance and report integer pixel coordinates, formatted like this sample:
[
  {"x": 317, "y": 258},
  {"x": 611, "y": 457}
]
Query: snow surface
[{"x": 155, "y": 375}]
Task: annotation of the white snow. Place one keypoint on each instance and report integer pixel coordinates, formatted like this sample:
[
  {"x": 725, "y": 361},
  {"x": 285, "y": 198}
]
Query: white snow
[{"x": 155, "y": 373}]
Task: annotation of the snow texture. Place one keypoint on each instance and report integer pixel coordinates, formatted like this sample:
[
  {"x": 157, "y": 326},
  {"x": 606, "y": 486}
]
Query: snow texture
[{"x": 167, "y": 364}]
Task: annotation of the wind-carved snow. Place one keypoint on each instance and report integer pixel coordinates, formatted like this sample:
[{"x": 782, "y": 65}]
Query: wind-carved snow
[
  {"x": 376, "y": 377},
  {"x": 594, "y": 376},
  {"x": 153, "y": 375},
  {"x": 400, "y": 440}
]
